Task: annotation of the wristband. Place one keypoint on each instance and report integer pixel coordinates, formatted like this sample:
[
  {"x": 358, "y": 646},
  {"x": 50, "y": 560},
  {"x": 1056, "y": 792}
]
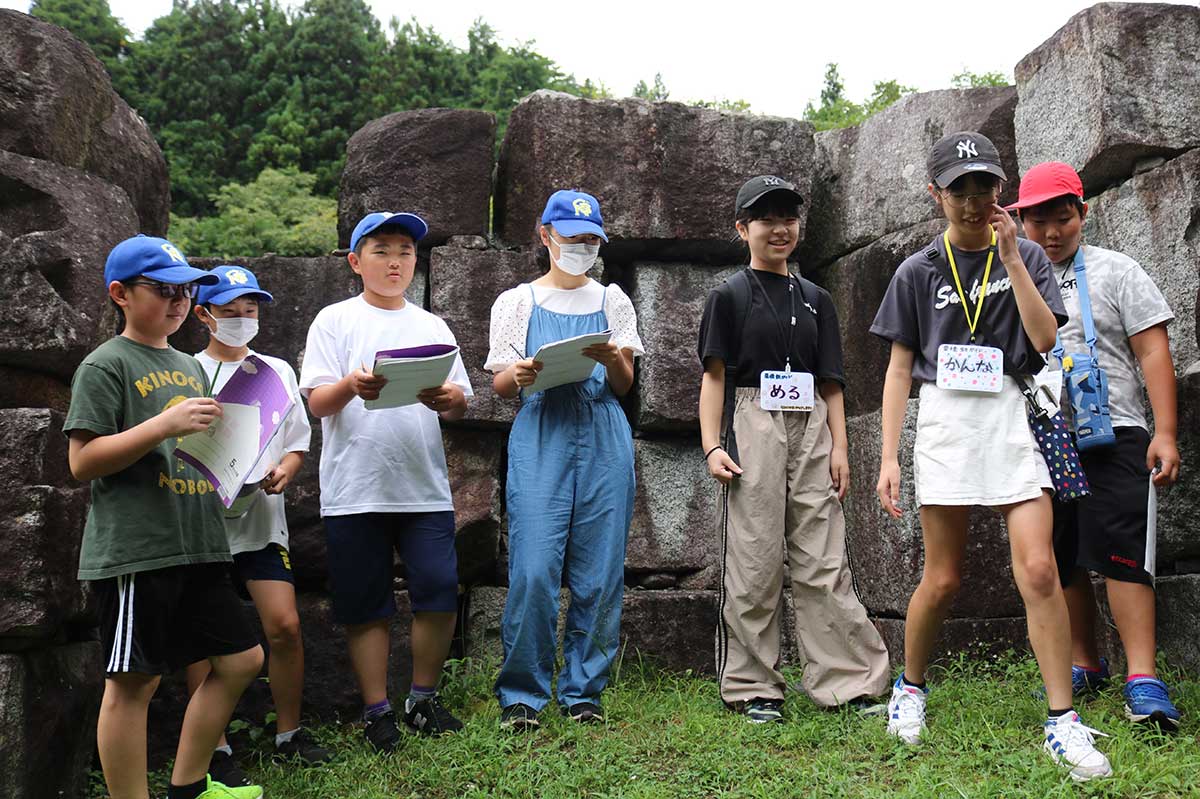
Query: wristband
[{"x": 710, "y": 452}]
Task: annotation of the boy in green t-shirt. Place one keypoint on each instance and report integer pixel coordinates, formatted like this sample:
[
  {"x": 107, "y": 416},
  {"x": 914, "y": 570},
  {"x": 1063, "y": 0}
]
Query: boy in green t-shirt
[{"x": 154, "y": 544}]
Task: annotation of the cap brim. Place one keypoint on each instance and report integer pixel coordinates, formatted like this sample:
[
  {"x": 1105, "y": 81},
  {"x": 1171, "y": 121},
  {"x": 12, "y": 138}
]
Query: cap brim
[
  {"x": 233, "y": 294},
  {"x": 575, "y": 227},
  {"x": 1038, "y": 199},
  {"x": 178, "y": 275},
  {"x": 971, "y": 168},
  {"x": 410, "y": 223},
  {"x": 751, "y": 201}
]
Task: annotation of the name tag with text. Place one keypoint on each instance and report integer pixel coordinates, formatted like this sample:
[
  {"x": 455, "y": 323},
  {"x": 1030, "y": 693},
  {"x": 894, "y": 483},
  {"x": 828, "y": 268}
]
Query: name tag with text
[
  {"x": 785, "y": 391},
  {"x": 970, "y": 367}
]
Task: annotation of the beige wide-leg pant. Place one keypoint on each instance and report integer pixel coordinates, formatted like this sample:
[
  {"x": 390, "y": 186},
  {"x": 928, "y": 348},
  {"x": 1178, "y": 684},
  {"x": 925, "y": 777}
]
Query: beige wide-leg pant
[{"x": 785, "y": 498}]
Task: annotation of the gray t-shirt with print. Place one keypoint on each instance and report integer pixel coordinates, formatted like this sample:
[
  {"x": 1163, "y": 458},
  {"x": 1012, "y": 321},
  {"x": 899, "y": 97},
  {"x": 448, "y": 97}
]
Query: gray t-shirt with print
[
  {"x": 922, "y": 309},
  {"x": 1125, "y": 301}
]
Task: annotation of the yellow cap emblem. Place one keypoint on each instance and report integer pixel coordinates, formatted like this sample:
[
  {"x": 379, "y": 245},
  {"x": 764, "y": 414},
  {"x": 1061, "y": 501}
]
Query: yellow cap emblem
[
  {"x": 237, "y": 276},
  {"x": 582, "y": 207}
]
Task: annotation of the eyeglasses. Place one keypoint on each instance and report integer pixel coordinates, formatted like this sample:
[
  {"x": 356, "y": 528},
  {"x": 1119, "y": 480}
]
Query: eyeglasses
[
  {"x": 168, "y": 290},
  {"x": 959, "y": 199}
]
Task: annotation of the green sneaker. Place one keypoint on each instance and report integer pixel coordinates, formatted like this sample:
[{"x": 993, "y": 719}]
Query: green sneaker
[{"x": 218, "y": 790}]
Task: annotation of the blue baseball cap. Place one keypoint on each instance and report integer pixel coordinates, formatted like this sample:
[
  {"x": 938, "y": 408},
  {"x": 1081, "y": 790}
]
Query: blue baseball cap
[
  {"x": 152, "y": 258},
  {"x": 574, "y": 212},
  {"x": 411, "y": 224},
  {"x": 233, "y": 282}
]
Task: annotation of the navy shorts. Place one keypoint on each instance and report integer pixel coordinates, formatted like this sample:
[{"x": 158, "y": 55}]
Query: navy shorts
[
  {"x": 272, "y": 562},
  {"x": 155, "y": 622},
  {"x": 1109, "y": 532},
  {"x": 359, "y": 556}
]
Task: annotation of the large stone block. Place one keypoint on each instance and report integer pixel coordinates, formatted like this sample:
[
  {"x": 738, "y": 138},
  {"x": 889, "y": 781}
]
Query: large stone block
[
  {"x": 435, "y": 162},
  {"x": 1119, "y": 83},
  {"x": 887, "y": 555},
  {"x": 474, "y": 458},
  {"x": 1154, "y": 218},
  {"x": 664, "y": 173},
  {"x": 857, "y": 283},
  {"x": 49, "y": 700},
  {"x": 57, "y": 103},
  {"x": 972, "y": 637},
  {"x": 57, "y": 226},
  {"x": 669, "y": 300},
  {"x": 1179, "y": 505},
  {"x": 1178, "y": 609},
  {"x": 674, "y": 528},
  {"x": 24, "y": 388},
  {"x": 463, "y": 284},
  {"x": 33, "y": 450},
  {"x": 871, "y": 178}
]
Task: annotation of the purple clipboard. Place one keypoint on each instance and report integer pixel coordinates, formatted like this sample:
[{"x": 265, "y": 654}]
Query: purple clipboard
[{"x": 424, "y": 351}]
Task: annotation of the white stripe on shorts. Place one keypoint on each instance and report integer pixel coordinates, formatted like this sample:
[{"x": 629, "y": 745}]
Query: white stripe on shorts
[{"x": 118, "y": 659}]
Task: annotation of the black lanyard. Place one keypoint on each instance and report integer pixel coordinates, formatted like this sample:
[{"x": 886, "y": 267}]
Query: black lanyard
[{"x": 790, "y": 337}]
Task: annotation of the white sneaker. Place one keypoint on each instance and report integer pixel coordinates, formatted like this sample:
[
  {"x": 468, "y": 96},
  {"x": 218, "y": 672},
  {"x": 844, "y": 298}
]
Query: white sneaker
[
  {"x": 906, "y": 711},
  {"x": 1071, "y": 743}
]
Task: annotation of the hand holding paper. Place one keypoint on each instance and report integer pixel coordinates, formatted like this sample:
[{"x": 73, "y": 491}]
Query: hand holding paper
[
  {"x": 567, "y": 361},
  {"x": 408, "y": 372}
]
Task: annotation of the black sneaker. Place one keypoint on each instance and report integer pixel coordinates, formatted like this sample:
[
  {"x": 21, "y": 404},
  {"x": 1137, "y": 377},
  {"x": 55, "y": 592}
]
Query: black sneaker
[
  {"x": 519, "y": 718},
  {"x": 225, "y": 770},
  {"x": 864, "y": 706},
  {"x": 302, "y": 747},
  {"x": 764, "y": 711},
  {"x": 430, "y": 717},
  {"x": 585, "y": 713},
  {"x": 382, "y": 732}
]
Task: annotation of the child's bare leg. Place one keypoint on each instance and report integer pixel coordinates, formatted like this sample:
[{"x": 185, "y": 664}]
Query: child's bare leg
[
  {"x": 1133, "y": 610},
  {"x": 369, "y": 644},
  {"x": 1036, "y": 572},
  {"x": 432, "y": 634},
  {"x": 196, "y": 674},
  {"x": 276, "y": 604},
  {"x": 209, "y": 710},
  {"x": 121, "y": 733},
  {"x": 944, "y": 529},
  {"x": 1081, "y": 606}
]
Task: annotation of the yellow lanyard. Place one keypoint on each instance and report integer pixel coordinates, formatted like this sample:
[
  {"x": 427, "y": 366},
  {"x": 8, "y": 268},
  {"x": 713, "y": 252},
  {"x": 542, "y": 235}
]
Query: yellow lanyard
[{"x": 987, "y": 270}]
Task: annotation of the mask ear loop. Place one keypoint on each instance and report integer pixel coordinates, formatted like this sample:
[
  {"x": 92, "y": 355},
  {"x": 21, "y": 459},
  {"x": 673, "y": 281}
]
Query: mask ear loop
[{"x": 207, "y": 313}]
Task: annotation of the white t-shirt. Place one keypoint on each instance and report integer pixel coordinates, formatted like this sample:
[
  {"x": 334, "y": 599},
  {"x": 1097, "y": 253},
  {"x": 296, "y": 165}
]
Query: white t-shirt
[
  {"x": 384, "y": 461},
  {"x": 266, "y": 522},
  {"x": 512, "y": 309},
  {"x": 1125, "y": 301}
]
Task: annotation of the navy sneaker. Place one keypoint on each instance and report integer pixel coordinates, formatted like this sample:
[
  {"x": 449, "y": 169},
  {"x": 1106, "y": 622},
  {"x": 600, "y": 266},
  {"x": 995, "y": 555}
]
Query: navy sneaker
[
  {"x": 585, "y": 713},
  {"x": 519, "y": 718},
  {"x": 429, "y": 717},
  {"x": 382, "y": 732},
  {"x": 764, "y": 711},
  {"x": 1088, "y": 681},
  {"x": 1147, "y": 702}
]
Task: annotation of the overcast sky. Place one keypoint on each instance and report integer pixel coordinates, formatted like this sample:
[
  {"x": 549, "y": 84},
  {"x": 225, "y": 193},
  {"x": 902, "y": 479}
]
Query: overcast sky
[{"x": 771, "y": 54}]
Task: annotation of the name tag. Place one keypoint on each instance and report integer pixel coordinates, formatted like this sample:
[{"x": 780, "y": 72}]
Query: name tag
[
  {"x": 970, "y": 367},
  {"x": 785, "y": 391}
]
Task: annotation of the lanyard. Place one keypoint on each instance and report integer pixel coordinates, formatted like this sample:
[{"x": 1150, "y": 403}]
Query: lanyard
[
  {"x": 789, "y": 337},
  {"x": 987, "y": 270}
]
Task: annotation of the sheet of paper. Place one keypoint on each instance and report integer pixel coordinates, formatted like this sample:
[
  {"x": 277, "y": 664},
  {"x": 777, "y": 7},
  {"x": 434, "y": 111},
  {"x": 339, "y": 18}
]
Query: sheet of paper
[
  {"x": 409, "y": 372},
  {"x": 564, "y": 362},
  {"x": 254, "y": 404},
  {"x": 226, "y": 451}
]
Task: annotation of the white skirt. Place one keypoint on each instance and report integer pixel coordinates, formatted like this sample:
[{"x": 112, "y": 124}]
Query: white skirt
[{"x": 976, "y": 448}]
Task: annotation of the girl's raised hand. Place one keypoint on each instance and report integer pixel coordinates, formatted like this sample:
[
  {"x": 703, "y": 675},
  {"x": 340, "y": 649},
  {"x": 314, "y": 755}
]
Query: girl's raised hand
[{"x": 1006, "y": 234}]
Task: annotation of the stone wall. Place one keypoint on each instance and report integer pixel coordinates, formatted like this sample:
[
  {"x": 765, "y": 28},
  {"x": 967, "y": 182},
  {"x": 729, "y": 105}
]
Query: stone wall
[{"x": 665, "y": 174}]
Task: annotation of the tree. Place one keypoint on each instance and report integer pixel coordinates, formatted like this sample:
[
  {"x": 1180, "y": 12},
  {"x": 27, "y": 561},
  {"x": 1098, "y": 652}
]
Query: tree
[
  {"x": 656, "y": 93},
  {"x": 974, "y": 80},
  {"x": 277, "y": 212},
  {"x": 93, "y": 23},
  {"x": 836, "y": 111}
]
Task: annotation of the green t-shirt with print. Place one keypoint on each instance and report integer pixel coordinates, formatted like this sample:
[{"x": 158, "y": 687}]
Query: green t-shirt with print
[{"x": 159, "y": 511}]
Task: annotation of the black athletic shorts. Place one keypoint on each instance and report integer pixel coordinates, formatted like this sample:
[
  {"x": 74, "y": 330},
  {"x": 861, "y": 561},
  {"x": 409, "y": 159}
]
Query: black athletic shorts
[
  {"x": 272, "y": 562},
  {"x": 1110, "y": 532},
  {"x": 155, "y": 622}
]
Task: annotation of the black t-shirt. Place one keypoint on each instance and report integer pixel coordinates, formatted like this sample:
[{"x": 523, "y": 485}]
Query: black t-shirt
[
  {"x": 922, "y": 310},
  {"x": 759, "y": 342}
]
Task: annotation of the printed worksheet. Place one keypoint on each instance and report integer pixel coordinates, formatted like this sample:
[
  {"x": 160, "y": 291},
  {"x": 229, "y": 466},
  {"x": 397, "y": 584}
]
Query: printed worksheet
[
  {"x": 410, "y": 371},
  {"x": 564, "y": 362}
]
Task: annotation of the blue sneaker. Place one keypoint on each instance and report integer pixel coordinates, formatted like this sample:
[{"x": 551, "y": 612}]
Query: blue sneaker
[
  {"x": 1088, "y": 681},
  {"x": 1147, "y": 702}
]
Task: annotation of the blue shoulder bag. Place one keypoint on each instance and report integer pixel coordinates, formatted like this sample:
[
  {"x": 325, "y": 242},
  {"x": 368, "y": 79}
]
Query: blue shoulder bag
[{"x": 1085, "y": 381}]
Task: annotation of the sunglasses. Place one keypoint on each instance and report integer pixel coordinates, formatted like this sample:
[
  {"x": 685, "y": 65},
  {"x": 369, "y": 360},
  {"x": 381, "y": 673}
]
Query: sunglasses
[{"x": 168, "y": 290}]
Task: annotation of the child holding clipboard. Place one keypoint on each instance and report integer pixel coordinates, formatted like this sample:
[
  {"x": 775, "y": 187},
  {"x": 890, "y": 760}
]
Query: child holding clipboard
[{"x": 570, "y": 472}]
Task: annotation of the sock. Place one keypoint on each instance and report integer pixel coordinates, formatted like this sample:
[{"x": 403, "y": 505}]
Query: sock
[
  {"x": 284, "y": 737},
  {"x": 1133, "y": 677},
  {"x": 227, "y": 749},
  {"x": 1056, "y": 713},
  {"x": 371, "y": 712},
  {"x": 187, "y": 791},
  {"x": 904, "y": 679},
  {"x": 419, "y": 693}
]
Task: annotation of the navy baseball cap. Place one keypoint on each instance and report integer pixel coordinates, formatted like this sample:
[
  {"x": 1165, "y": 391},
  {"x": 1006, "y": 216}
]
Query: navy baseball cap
[
  {"x": 573, "y": 213},
  {"x": 233, "y": 282},
  {"x": 960, "y": 153},
  {"x": 411, "y": 224},
  {"x": 756, "y": 188},
  {"x": 154, "y": 259}
]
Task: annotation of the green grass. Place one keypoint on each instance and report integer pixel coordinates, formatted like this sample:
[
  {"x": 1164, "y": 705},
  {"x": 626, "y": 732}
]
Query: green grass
[{"x": 669, "y": 736}]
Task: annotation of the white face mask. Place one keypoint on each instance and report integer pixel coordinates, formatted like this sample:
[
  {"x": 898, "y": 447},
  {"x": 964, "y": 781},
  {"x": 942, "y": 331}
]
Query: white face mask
[
  {"x": 236, "y": 332},
  {"x": 576, "y": 259}
]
